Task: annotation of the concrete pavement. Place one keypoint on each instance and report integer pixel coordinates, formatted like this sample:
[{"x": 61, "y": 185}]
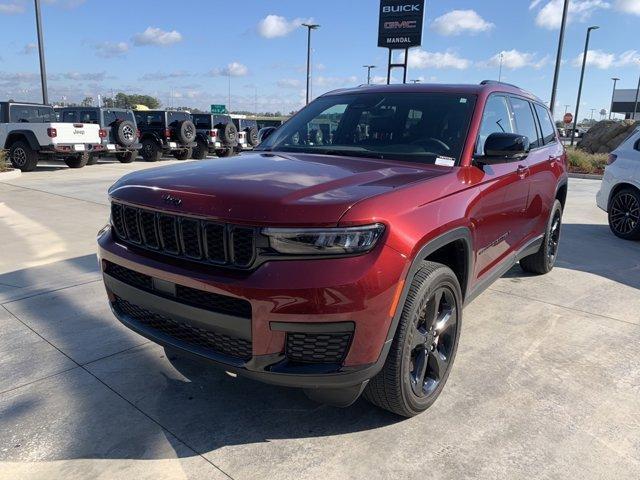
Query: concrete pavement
[{"x": 546, "y": 383}]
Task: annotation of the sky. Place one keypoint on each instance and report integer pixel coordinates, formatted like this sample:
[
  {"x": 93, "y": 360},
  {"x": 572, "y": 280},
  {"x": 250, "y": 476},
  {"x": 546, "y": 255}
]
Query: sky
[{"x": 186, "y": 53}]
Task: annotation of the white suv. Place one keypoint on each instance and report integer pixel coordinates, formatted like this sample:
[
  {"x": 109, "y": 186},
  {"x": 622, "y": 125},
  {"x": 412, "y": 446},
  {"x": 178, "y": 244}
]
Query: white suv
[
  {"x": 619, "y": 193},
  {"x": 31, "y": 132}
]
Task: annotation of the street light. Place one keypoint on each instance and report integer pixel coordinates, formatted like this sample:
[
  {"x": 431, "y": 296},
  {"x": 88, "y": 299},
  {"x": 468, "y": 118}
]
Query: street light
[
  {"x": 584, "y": 64},
  {"x": 566, "y": 107},
  {"x": 556, "y": 73},
  {"x": 43, "y": 70},
  {"x": 369, "y": 67},
  {"x": 615, "y": 80},
  {"x": 310, "y": 26}
]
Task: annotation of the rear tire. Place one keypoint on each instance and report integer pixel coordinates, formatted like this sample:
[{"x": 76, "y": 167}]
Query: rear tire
[
  {"x": 224, "y": 152},
  {"x": 424, "y": 346},
  {"x": 77, "y": 162},
  {"x": 624, "y": 214},
  {"x": 23, "y": 157},
  {"x": 201, "y": 150},
  {"x": 93, "y": 159},
  {"x": 150, "y": 151},
  {"x": 544, "y": 259},
  {"x": 127, "y": 157},
  {"x": 183, "y": 154}
]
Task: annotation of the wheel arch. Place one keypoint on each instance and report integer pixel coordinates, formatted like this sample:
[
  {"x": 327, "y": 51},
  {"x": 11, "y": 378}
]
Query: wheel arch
[
  {"x": 151, "y": 136},
  {"x": 25, "y": 135},
  {"x": 561, "y": 193},
  {"x": 619, "y": 186}
]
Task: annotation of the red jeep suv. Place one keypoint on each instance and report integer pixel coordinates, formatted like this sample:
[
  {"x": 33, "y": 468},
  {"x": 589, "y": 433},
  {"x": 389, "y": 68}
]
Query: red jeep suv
[{"x": 338, "y": 256}]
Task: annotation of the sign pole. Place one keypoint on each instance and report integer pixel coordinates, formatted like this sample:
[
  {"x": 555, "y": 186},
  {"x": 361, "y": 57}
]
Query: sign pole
[{"x": 389, "y": 68}]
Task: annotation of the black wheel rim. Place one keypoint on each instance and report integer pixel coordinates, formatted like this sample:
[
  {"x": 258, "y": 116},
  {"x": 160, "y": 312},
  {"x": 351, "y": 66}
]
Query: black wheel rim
[
  {"x": 554, "y": 237},
  {"x": 433, "y": 338},
  {"x": 625, "y": 213},
  {"x": 19, "y": 157}
]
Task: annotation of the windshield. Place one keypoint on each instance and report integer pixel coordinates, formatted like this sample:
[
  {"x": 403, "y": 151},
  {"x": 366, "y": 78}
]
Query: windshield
[{"x": 416, "y": 127}]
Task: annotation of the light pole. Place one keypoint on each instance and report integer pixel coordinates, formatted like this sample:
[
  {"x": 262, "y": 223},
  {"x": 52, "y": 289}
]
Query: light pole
[
  {"x": 584, "y": 64},
  {"x": 635, "y": 104},
  {"x": 556, "y": 74},
  {"x": 566, "y": 107},
  {"x": 615, "y": 80},
  {"x": 310, "y": 26},
  {"x": 43, "y": 70},
  {"x": 369, "y": 67},
  {"x": 500, "y": 71}
]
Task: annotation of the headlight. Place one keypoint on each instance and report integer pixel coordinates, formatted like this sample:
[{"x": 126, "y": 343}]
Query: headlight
[{"x": 324, "y": 241}]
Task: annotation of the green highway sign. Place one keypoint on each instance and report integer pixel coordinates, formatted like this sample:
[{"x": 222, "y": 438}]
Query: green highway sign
[{"x": 218, "y": 109}]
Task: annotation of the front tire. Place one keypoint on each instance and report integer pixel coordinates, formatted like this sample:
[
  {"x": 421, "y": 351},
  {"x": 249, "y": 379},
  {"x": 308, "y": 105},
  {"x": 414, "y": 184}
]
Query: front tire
[
  {"x": 93, "y": 159},
  {"x": 544, "y": 259},
  {"x": 127, "y": 157},
  {"x": 183, "y": 154},
  {"x": 77, "y": 162},
  {"x": 201, "y": 150},
  {"x": 624, "y": 214},
  {"x": 224, "y": 152},
  {"x": 23, "y": 157},
  {"x": 150, "y": 151},
  {"x": 424, "y": 346}
]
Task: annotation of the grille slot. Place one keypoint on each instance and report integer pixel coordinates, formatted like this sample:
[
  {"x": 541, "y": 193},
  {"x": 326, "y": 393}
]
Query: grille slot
[
  {"x": 186, "y": 237},
  {"x": 317, "y": 347},
  {"x": 128, "y": 276},
  {"x": 207, "y": 339}
]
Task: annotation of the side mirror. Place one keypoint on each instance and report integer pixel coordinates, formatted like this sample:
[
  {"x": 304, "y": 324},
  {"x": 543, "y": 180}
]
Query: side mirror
[
  {"x": 503, "y": 147},
  {"x": 264, "y": 133}
]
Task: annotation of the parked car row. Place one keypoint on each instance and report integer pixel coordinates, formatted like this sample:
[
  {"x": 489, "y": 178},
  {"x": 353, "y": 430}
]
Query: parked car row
[{"x": 81, "y": 135}]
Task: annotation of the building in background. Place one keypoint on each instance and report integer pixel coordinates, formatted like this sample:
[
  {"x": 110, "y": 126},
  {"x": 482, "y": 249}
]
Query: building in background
[{"x": 624, "y": 101}]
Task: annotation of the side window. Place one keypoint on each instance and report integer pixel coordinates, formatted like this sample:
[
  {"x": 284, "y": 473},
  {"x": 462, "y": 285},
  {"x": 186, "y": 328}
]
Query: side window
[
  {"x": 546, "y": 124},
  {"x": 495, "y": 119},
  {"x": 140, "y": 118},
  {"x": 155, "y": 119},
  {"x": 69, "y": 116},
  {"x": 525, "y": 121},
  {"x": 89, "y": 116}
]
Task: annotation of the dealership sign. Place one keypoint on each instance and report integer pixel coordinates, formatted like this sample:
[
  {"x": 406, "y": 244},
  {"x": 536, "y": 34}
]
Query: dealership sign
[{"x": 400, "y": 23}]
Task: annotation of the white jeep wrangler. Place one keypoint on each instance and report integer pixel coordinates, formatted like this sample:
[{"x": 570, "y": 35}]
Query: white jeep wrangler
[{"x": 30, "y": 133}]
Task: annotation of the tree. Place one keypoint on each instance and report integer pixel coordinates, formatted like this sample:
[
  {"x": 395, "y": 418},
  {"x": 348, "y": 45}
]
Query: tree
[{"x": 87, "y": 102}]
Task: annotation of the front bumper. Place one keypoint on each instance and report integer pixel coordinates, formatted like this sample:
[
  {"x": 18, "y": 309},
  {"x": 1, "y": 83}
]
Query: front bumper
[
  {"x": 307, "y": 297},
  {"x": 602, "y": 197}
]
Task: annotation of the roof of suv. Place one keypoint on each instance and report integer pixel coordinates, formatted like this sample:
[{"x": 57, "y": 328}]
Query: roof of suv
[
  {"x": 487, "y": 86},
  {"x": 79, "y": 107}
]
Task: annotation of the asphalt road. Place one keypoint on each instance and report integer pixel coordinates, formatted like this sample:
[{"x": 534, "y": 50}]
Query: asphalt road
[{"x": 546, "y": 383}]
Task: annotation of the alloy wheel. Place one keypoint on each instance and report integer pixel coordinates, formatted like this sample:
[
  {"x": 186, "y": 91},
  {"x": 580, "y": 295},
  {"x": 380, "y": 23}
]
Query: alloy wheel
[
  {"x": 127, "y": 132},
  {"x": 554, "y": 238},
  {"x": 625, "y": 213},
  {"x": 432, "y": 342},
  {"x": 19, "y": 157}
]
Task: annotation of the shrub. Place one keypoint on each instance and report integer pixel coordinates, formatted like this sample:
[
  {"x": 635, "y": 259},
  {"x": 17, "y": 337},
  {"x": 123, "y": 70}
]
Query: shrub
[
  {"x": 583, "y": 162},
  {"x": 4, "y": 161}
]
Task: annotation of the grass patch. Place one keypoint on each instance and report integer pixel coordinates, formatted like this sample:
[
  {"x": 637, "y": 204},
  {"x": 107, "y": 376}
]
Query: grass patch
[
  {"x": 583, "y": 162},
  {"x": 5, "y": 166}
]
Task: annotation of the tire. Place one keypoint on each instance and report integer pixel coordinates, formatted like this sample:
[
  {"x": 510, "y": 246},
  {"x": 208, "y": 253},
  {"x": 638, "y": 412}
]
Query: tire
[
  {"x": 183, "y": 154},
  {"x": 252, "y": 136},
  {"x": 624, "y": 214},
  {"x": 225, "y": 152},
  {"x": 77, "y": 162},
  {"x": 93, "y": 159},
  {"x": 23, "y": 157},
  {"x": 127, "y": 157},
  {"x": 227, "y": 132},
  {"x": 201, "y": 150},
  {"x": 544, "y": 259},
  {"x": 186, "y": 131},
  {"x": 151, "y": 152},
  {"x": 434, "y": 300},
  {"x": 125, "y": 133}
]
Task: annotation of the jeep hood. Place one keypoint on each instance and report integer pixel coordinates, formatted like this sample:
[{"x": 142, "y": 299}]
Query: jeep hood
[{"x": 268, "y": 188}]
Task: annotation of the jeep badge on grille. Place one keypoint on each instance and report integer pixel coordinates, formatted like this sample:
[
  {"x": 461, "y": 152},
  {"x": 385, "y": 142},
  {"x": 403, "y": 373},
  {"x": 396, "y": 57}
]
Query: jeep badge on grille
[{"x": 171, "y": 200}]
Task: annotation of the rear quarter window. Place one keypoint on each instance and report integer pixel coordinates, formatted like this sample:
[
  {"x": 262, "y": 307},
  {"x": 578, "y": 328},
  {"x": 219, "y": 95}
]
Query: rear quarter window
[
  {"x": 112, "y": 116},
  {"x": 202, "y": 121},
  {"x": 31, "y": 114},
  {"x": 546, "y": 124}
]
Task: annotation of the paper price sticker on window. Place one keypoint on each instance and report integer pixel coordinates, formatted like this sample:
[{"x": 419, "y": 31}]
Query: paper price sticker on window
[{"x": 445, "y": 161}]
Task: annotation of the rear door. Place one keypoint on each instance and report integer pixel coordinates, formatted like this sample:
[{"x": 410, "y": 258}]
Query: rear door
[{"x": 499, "y": 213}]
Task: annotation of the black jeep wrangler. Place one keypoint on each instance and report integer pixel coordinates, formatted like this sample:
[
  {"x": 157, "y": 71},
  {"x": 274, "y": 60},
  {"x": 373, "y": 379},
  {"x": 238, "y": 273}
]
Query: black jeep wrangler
[
  {"x": 118, "y": 130},
  {"x": 215, "y": 134},
  {"x": 165, "y": 132}
]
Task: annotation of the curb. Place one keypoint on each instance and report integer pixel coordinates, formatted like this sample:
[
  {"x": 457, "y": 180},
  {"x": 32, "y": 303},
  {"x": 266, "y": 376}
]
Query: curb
[
  {"x": 587, "y": 176},
  {"x": 10, "y": 175}
]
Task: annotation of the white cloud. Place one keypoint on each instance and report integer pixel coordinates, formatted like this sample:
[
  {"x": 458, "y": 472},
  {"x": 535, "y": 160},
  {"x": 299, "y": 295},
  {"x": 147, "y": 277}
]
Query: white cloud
[
  {"x": 628, "y": 6},
  {"x": 11, "y": 8},
  {"x": 112, "y": 49},
  {"x": 234, "y": 69},
  {"x": 274, "y": 26},
  {"x": 630, "y": 58},
  {"x": 29, "y": 48},
  {"x": 596, "y": 58},
  {"x": 335, "y": 82},
  {"x": 159, "y": 76},
  {"x": 157, "y": 36},
  {"x": 289, "y": 83},
  {"x": 550, "y": 15},
  {"x": 514, "y": 59},
  {"x": 460, "y": 21},
  {"x": 419, "y": 58}
]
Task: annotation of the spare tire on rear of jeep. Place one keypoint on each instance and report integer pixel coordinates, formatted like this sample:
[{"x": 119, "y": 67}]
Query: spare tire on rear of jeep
[
  {"x": 185, "y": 131},
  {"x": 252, "y": 136},
  {"x": 125, "y": 133},
  {"x": 227, "y": 132}
]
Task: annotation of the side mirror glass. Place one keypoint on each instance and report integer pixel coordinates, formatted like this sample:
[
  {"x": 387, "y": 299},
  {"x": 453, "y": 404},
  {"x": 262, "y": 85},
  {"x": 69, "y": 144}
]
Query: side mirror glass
[{"x": 504, "y": 147}]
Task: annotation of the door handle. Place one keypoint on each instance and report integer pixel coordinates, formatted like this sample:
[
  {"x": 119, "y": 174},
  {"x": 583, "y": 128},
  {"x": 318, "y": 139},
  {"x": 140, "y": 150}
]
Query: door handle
[{"x": 522, "y": 171}]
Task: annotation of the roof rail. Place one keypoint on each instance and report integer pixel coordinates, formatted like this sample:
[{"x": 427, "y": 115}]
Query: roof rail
[{"x": 490, "y": 82}]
